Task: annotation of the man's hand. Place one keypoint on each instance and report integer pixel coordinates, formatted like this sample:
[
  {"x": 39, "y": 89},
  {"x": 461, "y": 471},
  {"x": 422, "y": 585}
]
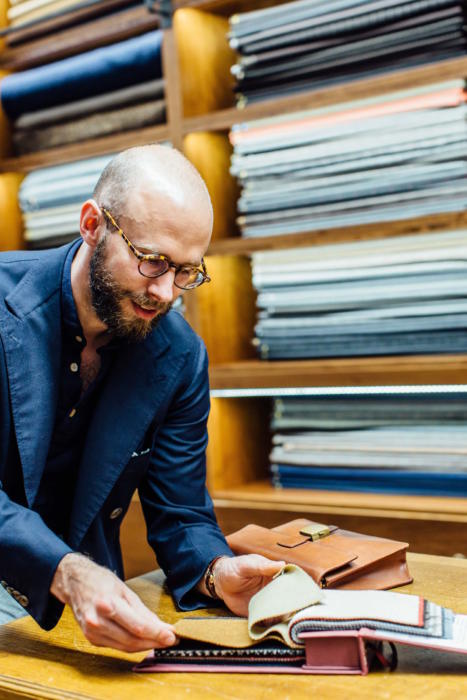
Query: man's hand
[
  {"x": 237, "y": 579},
  {"x": 108, "y": 612}
]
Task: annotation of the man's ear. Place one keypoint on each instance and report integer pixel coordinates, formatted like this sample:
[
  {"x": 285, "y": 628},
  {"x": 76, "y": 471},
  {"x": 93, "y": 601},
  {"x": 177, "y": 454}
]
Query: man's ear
[{"x": 91, "y": 222}]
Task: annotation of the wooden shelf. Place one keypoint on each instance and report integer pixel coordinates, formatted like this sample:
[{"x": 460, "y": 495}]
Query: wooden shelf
[
  {"x": 86, "y": 149},
  {"x": 344, "y": 92},
  {"x": 423, "y": 224},
  {"x": 262, "y": 495},
  {"x": 362, "y": 371},
  {"x": 121, "y": 25},
  {"x": 225, "y": 7}
]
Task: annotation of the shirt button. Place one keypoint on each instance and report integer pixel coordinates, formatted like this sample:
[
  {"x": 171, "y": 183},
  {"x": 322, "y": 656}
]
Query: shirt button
[
  {"x": 74, "y": 367},
  {"x": 72, "y": 413},
  {"x": 78, "y": 338},
  {"x": 115, "y": 513}
]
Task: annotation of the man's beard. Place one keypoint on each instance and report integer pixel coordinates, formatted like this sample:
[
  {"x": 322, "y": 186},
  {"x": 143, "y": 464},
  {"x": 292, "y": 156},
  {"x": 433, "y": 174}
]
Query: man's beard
[{"x": 106, "y": 298}]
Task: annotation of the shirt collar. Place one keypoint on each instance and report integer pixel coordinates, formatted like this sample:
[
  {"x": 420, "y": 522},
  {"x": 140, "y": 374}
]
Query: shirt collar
[{"x": 70, "y": 318}]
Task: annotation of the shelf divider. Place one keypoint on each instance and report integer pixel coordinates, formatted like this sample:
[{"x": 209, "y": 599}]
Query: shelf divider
[
  {"x": 397, "y": 370},
  {"x": 262, "y": 495}
]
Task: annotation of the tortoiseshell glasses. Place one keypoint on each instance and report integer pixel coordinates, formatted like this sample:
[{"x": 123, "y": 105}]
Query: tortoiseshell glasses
[{"x": 157, "y": 264}]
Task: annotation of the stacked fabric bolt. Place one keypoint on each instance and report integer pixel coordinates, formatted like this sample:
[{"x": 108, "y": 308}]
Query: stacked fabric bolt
[
  {"x": 108, "y": 90},
  {"x": 51, "y": 199},
  {"x": 317, "y": 43},
  {"x": 393, "y": 157},
  {"x": 25, "y": 11},
  {"x": 48, "y": 19},
  {"x": 397, "y": 444},
  {"x": 392, "y": 296}
]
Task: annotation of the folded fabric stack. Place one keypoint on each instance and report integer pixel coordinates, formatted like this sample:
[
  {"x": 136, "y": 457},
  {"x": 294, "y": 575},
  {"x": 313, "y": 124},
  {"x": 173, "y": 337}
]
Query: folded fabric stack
[
  {"x": 22, "y": 12},
  {"x": 397, "y": 444},
  {"x": 391, "y": 157},
  {"x": 108, "y": 90},
  {"x": 51, "y": 199},
  {"x": 400, "y": 295},
  {"x": 317, "y": 43}
]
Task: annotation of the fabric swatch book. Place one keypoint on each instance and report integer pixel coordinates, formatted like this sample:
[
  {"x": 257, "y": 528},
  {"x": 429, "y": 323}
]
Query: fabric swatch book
[{"x": 295, "y": 627}]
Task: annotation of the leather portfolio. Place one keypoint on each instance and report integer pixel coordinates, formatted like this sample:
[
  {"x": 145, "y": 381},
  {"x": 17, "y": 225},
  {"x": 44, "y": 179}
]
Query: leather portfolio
[{"x": 334, "y": 558}]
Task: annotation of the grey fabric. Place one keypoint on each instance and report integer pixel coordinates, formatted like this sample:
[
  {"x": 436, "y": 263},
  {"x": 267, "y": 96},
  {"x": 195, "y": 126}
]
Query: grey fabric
[
  {"x": 150, "y": 90},
  {"x": 9, "y": 608},
  {"x": 93, "y": 126}
]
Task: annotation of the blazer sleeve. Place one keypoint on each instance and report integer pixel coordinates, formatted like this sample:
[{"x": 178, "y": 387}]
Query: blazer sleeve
[
  {"x": 29, "y": 551},
  {"x": 182, "y": 527}
]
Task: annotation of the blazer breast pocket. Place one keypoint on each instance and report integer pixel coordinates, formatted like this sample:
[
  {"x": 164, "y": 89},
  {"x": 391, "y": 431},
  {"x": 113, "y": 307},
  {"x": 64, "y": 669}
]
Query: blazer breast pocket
[{"x": 139, "y": 461}]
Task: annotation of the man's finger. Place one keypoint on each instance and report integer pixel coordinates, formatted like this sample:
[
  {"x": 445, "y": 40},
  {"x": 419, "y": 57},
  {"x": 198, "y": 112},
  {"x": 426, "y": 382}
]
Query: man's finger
[
  {"x": 138, "y": 623},
  {"x": 257, "y": 565},
  {"x": 111, "y": 634},
  {"x": 123, "y": 642}
]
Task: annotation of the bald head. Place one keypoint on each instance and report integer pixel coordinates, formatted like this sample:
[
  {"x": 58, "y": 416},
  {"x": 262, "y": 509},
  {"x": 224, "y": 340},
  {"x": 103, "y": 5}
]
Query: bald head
[{"x": 153, "y": 177}]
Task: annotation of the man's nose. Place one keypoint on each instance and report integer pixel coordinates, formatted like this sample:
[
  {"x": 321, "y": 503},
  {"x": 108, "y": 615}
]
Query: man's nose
[{"x": 162, "y": 288}]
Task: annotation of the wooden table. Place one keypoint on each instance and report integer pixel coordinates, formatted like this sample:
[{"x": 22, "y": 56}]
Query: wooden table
[{"x": 62, "y": 664}]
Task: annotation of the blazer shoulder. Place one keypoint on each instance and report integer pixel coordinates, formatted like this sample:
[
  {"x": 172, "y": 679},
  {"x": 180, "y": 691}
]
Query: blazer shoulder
[
  {"x": 14, "y": 265},
  {"x": 45, "y": 266}
]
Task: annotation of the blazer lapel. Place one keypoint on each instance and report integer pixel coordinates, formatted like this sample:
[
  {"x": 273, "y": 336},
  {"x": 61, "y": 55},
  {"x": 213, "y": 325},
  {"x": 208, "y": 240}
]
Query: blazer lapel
[
  {"x": 139, "y": 384},
  {"x": 31, "y": 334}
]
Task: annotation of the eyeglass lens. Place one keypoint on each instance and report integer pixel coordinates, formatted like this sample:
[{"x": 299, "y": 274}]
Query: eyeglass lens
[{"x": 186, "y": 277}]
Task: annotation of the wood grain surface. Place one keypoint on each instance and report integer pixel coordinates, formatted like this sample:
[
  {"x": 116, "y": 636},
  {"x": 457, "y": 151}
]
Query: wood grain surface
[
  {"x": 61, "y": 664},
  {"x": 393, "y": 370}
]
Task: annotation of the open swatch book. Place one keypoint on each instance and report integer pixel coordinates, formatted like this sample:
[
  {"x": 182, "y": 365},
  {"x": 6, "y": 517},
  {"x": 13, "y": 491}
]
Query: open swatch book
[{"x": 294, "y": 626}]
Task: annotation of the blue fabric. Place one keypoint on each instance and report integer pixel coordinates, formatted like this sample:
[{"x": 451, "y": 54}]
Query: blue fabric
[
  {"x": 370, "y": 480},
  {"x": 101, "y": 70},
  {"x": 148, "y": 431},
  {"x": 55, "y": 495}
]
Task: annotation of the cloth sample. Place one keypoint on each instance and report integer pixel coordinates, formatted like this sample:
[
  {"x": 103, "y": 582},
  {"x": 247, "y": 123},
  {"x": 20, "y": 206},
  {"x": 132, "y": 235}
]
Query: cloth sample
[
  {"x": 51, "y": 199},
  {"x": 395, "y": 295},
  {"x": 394, "y": 444},
  {"x": 93, "y": 126},
  {"x": 134, "y": 94},
  {"x": 387, "y": 158},
  {"x": 125, "y": 63},
  {"x": 306, "y": 45},
  {"x": 37, "y": 9}
]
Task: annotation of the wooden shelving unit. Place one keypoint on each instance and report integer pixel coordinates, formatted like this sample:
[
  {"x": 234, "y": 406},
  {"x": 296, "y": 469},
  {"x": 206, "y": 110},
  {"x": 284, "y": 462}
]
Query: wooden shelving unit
[
  {"x": 200, "y": 111},
  {"x": 236, "y": 245},
  {"x": 85, "y": 149},
  {"x": 394, "y": 370}
]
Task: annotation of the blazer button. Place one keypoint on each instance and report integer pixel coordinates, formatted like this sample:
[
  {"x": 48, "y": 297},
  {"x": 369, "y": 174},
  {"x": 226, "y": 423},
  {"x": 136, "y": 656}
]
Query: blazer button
[
  {"x": 115, "y": 513},
  {"x": 3, "y": 583},
  {"x": 23, "y": 600}
]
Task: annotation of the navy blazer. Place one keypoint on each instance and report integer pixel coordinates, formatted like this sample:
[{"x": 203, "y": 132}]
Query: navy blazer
[{"x": 148, "y": 432}]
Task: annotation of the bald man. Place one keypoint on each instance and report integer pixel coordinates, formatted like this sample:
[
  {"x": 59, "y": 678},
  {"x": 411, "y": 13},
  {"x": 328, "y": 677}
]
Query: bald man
[{"x": 104, "y": 390}]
